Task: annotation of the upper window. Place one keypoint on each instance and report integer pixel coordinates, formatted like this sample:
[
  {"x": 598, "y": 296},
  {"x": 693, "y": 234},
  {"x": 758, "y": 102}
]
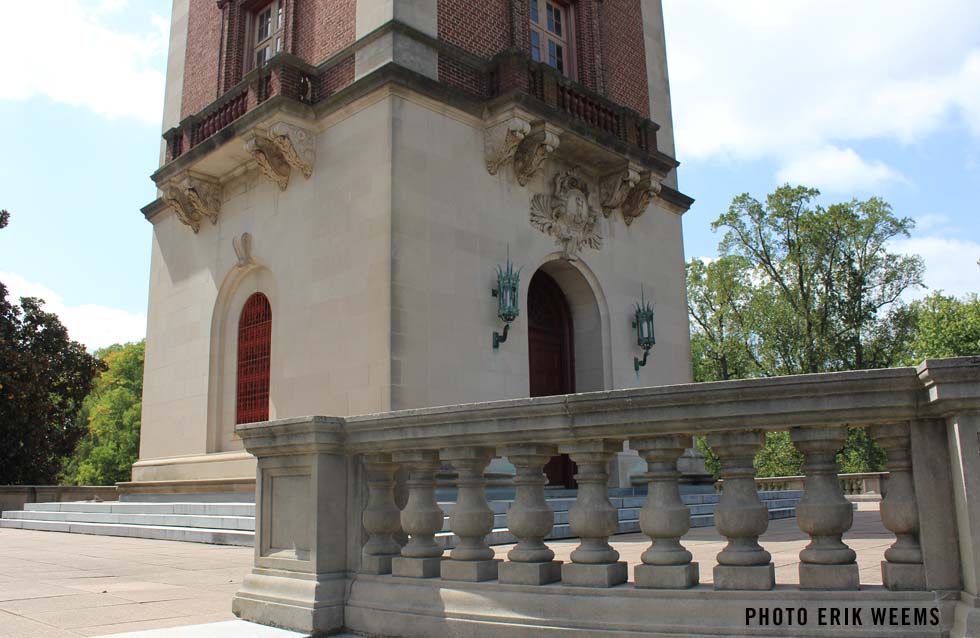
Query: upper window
[
  {"x": 267, "y": 32},
  {"x": 549, "y": 34},
  {"x": 254, "y": 356}
]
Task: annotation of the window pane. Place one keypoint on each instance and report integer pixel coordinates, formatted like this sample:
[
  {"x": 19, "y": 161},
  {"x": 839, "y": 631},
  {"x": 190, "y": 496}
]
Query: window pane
[
  {"x": 560, "y": 56},
  {"x": 535, "y": 46},
  {"x": 552, "y": 54},
  {"x": 263, "y": 25},
  {"x": 278, "y": 44},
  {"x": 557, "y": 27},
  {"x": 551, "y": 18},
  {"x": 262, "y": 56},
  {"x": 534, "y": 11},
  {"x": 279, "y": 21}
]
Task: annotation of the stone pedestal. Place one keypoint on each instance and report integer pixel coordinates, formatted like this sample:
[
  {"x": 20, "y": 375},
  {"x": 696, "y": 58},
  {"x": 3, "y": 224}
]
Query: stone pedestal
[
  {"x": 604, "y": 575},
  {"x": 511, "y": 573},
  {"x": 747, "y": 577},
  {"x": 473, "y": 571},
  {"x": 416, "y": 567},
  {"x": 299, "y": 579}
]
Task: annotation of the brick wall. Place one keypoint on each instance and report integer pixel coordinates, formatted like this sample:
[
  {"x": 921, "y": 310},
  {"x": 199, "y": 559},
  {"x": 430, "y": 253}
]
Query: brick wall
[
  {"x": 480, "y": 27},
  {"x": 323, "y": 27},
  {"x": 623, "y": 55},
  {"x": 201, "y": 67}
]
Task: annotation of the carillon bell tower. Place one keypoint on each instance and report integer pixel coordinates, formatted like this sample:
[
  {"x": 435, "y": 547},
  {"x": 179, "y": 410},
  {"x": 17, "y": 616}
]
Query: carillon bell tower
[{"x": 342, "y": 181}]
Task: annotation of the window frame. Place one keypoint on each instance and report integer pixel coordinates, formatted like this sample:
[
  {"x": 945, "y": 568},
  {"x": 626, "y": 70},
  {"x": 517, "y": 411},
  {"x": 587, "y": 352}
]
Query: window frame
[
  {"x": 274, "y": 42},
  {"x": 546, "y": 37},
  {"x": 253, "y": 360}
]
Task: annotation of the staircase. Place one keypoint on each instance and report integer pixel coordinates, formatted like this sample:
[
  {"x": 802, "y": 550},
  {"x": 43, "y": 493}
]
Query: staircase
[{"x": 234, "y": 523}]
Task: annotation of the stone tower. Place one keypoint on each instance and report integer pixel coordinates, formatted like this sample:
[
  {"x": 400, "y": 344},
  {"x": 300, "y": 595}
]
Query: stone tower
[{"x": 341, "y": 180}]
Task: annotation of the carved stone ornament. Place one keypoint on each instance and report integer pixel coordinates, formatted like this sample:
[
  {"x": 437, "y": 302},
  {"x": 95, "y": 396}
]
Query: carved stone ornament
[
  {"x": 639, "y": 197},
  {"x": 567, "y": 214},
  {"x": 627, "y": 191},
  {"x": 243, "y": 249},
  {"x": 501, "y": 140},
  {"x": 283, "y": 147},
  {"x": 532, "y": 152},
  {"x": 193, "y": 198},
  {"x": 614, "y": 188},
  {"x": 269, "y": 159}
]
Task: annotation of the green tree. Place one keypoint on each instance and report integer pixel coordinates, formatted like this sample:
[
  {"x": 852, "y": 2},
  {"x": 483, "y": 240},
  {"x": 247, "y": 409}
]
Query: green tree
[
  {"x": 800, "y": 288},
  {"x": 945, "y": 327},
  {"x": 112, "y": 412},
  {"x": 44, "y": 377}
]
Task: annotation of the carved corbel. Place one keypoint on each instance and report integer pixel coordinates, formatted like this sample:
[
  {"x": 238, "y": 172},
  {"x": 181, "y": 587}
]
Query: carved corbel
[
  {"x": 540, "y": 144},
  {"x": 501, "y": 140},
  {"x": 615, "y": 187},
  {"x": 193, "y": 198},
  {"x": 297, "y": 146},
  {"x": 269, "y": 158},
  {"x": 639, "y": 197}
]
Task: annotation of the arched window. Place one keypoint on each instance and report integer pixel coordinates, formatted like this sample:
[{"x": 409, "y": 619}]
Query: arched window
[{"x": 254, "y": 353}]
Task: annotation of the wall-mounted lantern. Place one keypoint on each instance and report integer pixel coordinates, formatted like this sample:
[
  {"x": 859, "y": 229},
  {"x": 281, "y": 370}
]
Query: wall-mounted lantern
[
  {"x": 506, "y": 292},
  {"x": 643, "y": 324}
]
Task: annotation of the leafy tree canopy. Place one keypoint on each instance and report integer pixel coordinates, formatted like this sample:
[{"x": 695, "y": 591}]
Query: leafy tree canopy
[
  {"x": 945, "y": 327},
  {"x": 44, "y": 377},
  {"x": 112, "y": 413}
]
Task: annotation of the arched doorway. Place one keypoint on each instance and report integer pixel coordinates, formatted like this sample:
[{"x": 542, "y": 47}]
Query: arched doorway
[{"x": 551, "y": 357}]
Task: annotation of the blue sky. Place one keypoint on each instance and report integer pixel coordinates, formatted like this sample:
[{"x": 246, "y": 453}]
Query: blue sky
[{"x": 856, "y": 98}]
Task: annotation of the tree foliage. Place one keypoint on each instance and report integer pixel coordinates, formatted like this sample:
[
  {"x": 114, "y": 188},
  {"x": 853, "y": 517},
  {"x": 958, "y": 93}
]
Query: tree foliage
[
  {"x": 800, "y": 288},
  {"x": 112, "y": 413},
  {"x": 44, "y": 377},
  {"x": 945, "y": 327}
]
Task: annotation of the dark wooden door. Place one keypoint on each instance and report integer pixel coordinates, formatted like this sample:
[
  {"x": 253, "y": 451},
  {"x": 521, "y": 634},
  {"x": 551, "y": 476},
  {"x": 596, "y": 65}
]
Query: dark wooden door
[{"x": 551, "y": 357}]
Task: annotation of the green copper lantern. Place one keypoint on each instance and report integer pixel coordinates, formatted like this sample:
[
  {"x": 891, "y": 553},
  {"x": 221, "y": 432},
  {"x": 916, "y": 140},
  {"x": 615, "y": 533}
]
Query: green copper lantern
[
  {"x": 508, "y": 300},
  {"x": 643, "y": 324}
]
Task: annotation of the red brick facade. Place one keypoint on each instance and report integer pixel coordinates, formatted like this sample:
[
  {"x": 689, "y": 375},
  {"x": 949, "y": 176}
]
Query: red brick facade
[
  {"x": 608, "y": 43},
  {"x": 623, "y": 53}
]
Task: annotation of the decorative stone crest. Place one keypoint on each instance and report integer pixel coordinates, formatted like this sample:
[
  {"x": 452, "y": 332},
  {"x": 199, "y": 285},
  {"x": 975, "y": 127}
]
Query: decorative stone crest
[
  {"x": 501, "y": 141},
  {"x": 567, "y": 214},
  {"x": 283, "y": 147},
  {"x": 533, "y": 151},
  {"x": 193, "y": 198},
  {"x": 243, "y": 249},
  {"x": 628, "y": 191}
]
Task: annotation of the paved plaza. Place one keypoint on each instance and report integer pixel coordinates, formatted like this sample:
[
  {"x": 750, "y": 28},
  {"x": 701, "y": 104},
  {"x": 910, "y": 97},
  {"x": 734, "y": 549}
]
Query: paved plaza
[{"x": 55, "y": 585}]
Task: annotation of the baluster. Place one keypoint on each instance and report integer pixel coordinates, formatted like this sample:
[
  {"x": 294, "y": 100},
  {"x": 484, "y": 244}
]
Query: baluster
[
  {"x": 381, "y": 518},
  {"x": 740, "y": 516},
  {"x": 530, "y": 519},
  {"x": 593, "y": 518},
  {"x": 471, "y": 519},
  {"x": 823, "y": 512},
  {"x": 902, "y": 569},
  {"x": 421, "y": 518},
  {"x": 664, "y": 517}
]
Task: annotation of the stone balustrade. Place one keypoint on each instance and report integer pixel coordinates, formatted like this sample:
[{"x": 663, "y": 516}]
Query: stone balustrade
[{"x": 330, "y": 543}]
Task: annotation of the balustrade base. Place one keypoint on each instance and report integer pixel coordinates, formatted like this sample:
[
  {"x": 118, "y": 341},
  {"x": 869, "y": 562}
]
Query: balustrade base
[
  {"x": 903, "y": 576},
  {"x": 829, "y": 577},
  {"x": 310, "y": 603},
  {"x": 511, "y": 573},
  {"x": 602, "y": 575},
  {"x": 745, "y": 578},
  {"x": 376, "y": 564},
  {"x": 430, "y": 567},
  {"x": 470, "y": 571},
  {"x": 666, "y": 576}
]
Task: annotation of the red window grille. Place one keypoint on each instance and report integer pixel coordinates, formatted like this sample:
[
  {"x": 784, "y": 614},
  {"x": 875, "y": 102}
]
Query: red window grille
[{"x": 254, "y": 353}]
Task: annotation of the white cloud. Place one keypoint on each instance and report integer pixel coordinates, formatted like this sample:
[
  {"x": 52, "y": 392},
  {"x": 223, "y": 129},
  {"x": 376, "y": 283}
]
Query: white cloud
[
  {"x": 67, "y": 52},
  {"x": 837, "y": 169},
  {"x": 784, "y": 80},
  {"x": 91, "y": 324},
  {"x": 951, "y": 264}
]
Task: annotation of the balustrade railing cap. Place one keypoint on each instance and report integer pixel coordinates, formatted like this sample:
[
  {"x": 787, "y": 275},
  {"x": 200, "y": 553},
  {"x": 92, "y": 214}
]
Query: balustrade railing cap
[
  {"x": 951, "y": 384},
  {"x": 310, "y": 434}
]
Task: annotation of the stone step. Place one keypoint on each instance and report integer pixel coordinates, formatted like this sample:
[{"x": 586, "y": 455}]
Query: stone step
[
  {"x": 160, "y": 520},
  {"x": 158, "y": 532},
  {"x": 106, "y": 507}
]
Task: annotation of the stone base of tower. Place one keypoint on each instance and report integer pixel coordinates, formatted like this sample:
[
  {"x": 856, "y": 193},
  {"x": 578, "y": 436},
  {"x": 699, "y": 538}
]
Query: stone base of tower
[{"x": 223, "y": 476}]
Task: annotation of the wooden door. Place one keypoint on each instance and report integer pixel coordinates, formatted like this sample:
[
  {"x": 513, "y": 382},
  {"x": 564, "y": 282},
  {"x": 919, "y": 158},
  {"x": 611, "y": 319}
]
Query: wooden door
[{"x": 551, "y": 357}]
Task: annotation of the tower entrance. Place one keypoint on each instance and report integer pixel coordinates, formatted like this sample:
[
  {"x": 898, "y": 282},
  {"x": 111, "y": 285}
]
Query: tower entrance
[{"x": 551, "y": 353}]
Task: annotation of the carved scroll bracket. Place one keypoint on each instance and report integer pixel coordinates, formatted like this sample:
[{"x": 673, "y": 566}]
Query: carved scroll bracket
[
  {"x": 628, "y": 190},
  {"x": 500, "y": 141},
  {"x": 243, "y": 250},
  {"x": 193, "y": 197},
  {"x": 534, "y": 149},
  {"x": 283, "y": 147}
]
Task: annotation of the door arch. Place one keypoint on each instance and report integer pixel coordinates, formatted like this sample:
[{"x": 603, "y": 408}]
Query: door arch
[{"x": 551, "y": 356}]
